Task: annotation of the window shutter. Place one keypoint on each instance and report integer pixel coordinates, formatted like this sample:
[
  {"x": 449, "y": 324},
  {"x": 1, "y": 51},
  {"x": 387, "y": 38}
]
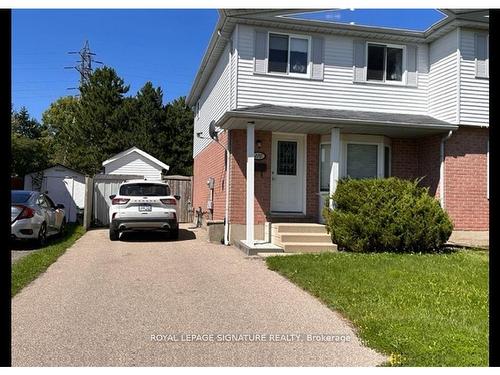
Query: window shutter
[
  {"x": 317, "y": 58},
  {"x": 260, "y": 49},
  {"x": 480, "y": 52},
  {"x": 411, "y": 65},
  {"x": 359, "y": 61}
]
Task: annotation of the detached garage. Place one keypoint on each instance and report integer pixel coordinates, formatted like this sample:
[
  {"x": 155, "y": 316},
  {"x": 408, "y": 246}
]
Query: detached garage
[
  {"x": 135, "y": 162},
  {"x": 64, "y": 185}
]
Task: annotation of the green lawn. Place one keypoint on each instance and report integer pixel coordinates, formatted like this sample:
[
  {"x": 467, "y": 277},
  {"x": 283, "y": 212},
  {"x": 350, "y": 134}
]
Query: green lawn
[
  {"x": 27, "y": 269},
  {"x": 421, "y": 310}
]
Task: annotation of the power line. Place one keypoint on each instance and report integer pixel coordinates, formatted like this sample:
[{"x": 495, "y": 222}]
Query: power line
[{"x": 84, "y": 65}]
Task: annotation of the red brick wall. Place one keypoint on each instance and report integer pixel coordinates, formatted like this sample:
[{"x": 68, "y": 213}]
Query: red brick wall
[
  {"x": 210, "y": 163},
  {"x": 465, "y": 172},
  {"x": 404, "y": 161},
  {"x": 238, "y": 177},
  {"x": 429, "y": 162},
  {"x": 312, "y": 181},
  {"x": 466, "y": 179}
]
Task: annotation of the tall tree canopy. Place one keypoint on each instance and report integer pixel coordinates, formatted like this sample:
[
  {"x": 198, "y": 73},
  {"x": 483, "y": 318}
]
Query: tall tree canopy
[
  {"x": 30, "y": 144},
  {"x": 83, "y": 132}
]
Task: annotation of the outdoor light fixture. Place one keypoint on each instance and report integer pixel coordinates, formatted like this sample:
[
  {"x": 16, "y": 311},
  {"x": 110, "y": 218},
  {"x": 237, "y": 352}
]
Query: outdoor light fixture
[{"x": 258, "y": 143}]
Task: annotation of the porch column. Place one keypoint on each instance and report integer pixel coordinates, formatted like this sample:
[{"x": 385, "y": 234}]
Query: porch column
[
  {"x": 335, "y": 160},
  {"x": 250, "y": 183}
]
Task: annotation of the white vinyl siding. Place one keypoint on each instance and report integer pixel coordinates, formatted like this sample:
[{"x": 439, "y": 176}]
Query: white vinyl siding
[
  {"x": 336, "y": 90},
  {"x": 474, "y": 92},
  {"x": 443, "y": 78},
  {"x": 215, "y": 99},
  {"x": 134, "y": 164}
]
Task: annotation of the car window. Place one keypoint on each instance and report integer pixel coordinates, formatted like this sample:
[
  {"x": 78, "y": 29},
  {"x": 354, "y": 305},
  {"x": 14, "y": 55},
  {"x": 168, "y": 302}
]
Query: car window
[
  {"x": 49, "y": 201},
  {"x": 145, "y": 190},
  {"x": 20, "y": 196}
]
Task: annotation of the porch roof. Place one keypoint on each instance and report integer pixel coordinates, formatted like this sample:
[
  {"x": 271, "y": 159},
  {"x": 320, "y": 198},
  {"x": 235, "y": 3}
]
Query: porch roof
[{"x": 321, "y": 121}]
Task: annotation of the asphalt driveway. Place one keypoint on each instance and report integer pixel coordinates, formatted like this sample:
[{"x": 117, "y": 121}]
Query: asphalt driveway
[{"x": 143, "y": 301}]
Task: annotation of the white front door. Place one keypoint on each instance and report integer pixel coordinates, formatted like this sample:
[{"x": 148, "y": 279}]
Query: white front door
[{"x": 287, "y": 173}]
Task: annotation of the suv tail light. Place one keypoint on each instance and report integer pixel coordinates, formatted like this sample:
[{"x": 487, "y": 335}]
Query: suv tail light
[
  {"x": 169, "y": 201},
  {"x": 119, "y": 201},
  {"x": 25, "y": 213}
]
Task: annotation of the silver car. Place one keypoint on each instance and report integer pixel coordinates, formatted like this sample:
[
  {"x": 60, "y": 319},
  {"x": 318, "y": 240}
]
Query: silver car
[{"x": 34, "y": 216}]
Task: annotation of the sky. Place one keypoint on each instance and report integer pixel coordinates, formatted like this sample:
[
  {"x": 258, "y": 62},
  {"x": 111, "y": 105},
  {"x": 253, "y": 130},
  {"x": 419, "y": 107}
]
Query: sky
[{"x": 158, "y": 45}]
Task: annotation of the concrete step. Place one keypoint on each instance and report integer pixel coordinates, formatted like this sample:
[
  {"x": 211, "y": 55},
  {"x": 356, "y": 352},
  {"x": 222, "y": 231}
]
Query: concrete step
[
  {"x": 305, "y": 237},
  {"x": 298, "y": 228},
  {"x": 308, "y": 247}
]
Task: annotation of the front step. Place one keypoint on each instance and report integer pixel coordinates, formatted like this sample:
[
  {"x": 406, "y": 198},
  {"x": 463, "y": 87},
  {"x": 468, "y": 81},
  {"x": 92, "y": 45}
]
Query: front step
[
  {"x": 301, "y": 237},
  {"x": 308, "y": 247},
  {"x": 305, "y": 237}
]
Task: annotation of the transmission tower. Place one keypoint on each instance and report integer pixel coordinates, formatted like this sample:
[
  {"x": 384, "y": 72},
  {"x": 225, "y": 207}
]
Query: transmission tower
[{"x": 84, "y": 65}]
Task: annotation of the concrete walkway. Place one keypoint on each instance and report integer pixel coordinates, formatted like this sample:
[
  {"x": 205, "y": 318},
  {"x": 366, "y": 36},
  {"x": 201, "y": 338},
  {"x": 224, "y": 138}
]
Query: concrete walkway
[
  {"x": 470, "y": 238},
  {"x": 125, "y": 303}
]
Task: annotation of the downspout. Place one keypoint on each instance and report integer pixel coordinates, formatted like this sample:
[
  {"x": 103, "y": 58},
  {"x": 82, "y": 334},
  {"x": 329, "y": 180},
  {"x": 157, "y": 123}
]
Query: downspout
[
  {"x": 228, "y": 148},
  {"x": 227, "y": 185},
  {"x": 441, "y": 168}
]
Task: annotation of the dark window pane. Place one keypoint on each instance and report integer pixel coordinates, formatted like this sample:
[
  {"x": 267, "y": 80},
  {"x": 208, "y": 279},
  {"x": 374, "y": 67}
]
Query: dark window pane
[
  {"x": 287, "y": 158},
  {"x": 387, "y": 162},
  {"x": 375, "y": 62},
  {"x": 361, "y": 161},
  {"x": 394, "y": 64},
  {"x": 278, "y": 53},
  {"x": 145, "y": 190},
  {"x": 298, "y": 55}
]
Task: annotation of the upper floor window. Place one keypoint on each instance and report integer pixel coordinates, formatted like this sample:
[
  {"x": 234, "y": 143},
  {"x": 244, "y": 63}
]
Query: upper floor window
[
  {"x": 385, "y": 63},
  {"x": 288, "y": 54}
]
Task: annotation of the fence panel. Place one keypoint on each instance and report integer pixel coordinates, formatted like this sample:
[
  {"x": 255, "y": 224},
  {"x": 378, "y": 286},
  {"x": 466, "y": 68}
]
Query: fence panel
[
  {"x": 182, "y": 186},
  {"x": 104, "y": 186}
]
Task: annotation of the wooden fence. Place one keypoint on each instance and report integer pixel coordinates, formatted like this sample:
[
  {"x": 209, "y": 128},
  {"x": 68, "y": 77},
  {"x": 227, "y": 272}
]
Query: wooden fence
[{"x": 182, "y": 186}]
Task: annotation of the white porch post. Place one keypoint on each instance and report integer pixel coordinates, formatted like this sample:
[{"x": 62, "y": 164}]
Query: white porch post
[
  {"x": 250, "y": 184},
  {"x": 335, "y": 160}
]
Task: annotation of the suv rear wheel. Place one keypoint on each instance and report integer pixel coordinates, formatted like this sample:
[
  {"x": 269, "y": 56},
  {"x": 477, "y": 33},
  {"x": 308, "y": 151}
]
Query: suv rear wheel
[{"x": 113, "y": 234}]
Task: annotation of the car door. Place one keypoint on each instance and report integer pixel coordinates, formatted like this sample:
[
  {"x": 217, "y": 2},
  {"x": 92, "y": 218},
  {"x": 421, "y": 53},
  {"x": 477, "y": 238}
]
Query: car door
[
  {"x": 48, "y": 213},
  {"x": 58, "y": 213}
]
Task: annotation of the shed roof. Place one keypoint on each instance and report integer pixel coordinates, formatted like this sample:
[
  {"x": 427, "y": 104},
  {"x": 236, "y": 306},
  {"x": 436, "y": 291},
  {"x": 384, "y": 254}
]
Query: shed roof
[{"x": 140, "y": 152}]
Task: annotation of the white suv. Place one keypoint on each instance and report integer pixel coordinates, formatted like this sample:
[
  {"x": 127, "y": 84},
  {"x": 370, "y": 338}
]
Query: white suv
[{"x": 143, "y": 205}]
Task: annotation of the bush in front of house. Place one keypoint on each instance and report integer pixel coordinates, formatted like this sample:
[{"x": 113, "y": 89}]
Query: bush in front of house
[{"x": 392, "y": 214}]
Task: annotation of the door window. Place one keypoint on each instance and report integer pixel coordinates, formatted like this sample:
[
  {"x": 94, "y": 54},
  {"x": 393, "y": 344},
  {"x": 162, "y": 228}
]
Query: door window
[{"x": 287, "y": 158}]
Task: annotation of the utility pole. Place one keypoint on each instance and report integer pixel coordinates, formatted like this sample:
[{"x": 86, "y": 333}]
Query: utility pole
[{"x": 84, "y": 65}]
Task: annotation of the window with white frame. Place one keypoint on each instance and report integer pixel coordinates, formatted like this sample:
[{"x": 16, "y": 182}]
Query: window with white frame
[
  {"x": 324, "y": 167},
  {"x": 385, "y": 62},
  {"x": 288, "y": 54}
]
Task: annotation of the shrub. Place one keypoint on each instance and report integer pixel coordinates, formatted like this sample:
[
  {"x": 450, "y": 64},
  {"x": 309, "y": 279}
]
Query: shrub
[{"x": 395, "y": 215}]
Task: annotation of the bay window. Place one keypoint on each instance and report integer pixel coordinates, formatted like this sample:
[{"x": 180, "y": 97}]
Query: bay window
[
  {"x": 361, "y": 157},
  {"x": 288, "y": 54}
]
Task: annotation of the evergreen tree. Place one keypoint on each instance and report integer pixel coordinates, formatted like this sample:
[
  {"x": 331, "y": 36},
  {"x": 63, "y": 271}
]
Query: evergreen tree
[
  {"x": 178, "y": 147},
  {"x": 99, "y": 123}
]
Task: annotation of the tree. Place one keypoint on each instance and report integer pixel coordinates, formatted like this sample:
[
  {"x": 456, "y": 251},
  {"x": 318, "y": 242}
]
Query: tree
[
  {"x": 29, "y": 144},
  {"x": 25, "y": 125},
  {"x": 98, "y": 126},
  {"x": 59, "y": 120},
  {"x": 177, "y": 137}
]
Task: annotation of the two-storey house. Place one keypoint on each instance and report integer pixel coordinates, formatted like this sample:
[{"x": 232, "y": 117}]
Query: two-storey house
[{"x": 284, "y": 107}]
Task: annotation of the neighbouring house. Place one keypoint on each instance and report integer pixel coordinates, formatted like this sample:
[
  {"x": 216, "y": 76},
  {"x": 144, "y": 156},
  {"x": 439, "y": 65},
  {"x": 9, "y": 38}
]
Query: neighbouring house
[
  {"x": 135, "y": 162},
  {"x": 299, "y": 103},
  {"x": 62, "y": 184}
]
